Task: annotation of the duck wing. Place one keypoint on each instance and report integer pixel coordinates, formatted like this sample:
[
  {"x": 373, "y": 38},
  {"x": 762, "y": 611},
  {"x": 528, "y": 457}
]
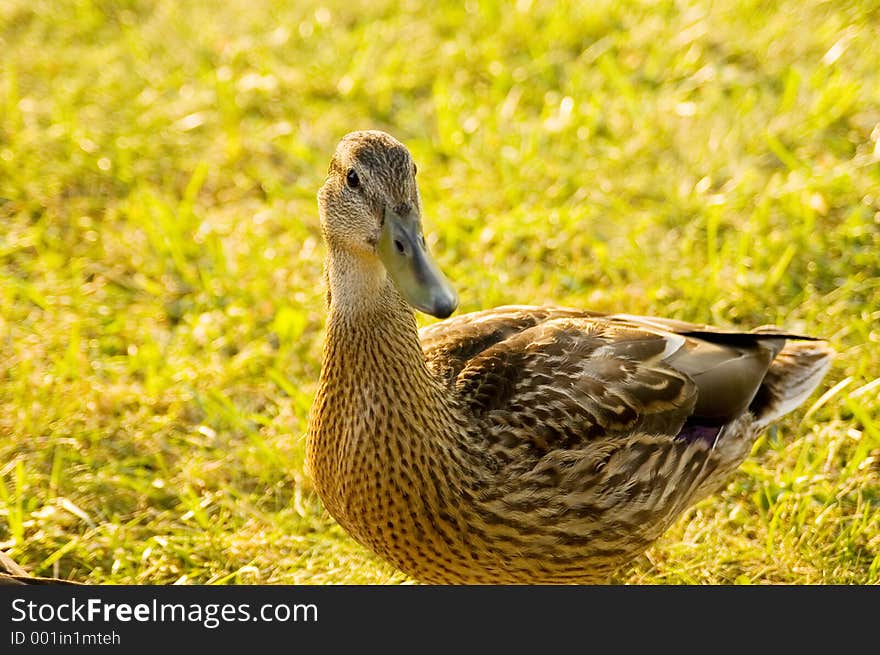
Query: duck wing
[
  {"x": 450, "y": 345},
  {"x": 566, "y": 376}
]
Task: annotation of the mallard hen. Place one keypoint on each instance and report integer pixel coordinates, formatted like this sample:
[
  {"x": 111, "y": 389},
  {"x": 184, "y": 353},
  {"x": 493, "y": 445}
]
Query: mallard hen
[{"x": 518, "y": 444}]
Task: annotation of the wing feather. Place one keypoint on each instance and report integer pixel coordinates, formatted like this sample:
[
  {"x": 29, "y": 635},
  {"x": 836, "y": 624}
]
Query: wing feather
[{"x": 569, "y": 375}]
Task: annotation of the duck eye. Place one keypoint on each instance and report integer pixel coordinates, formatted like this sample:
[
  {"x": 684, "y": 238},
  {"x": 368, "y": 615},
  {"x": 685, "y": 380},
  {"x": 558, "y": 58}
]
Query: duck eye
[{"x": 352, "y": 179}]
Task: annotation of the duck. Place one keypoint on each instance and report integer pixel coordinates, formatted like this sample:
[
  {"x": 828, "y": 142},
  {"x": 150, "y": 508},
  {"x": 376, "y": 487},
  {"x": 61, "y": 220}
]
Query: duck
[{"x": 520, "y": 444}]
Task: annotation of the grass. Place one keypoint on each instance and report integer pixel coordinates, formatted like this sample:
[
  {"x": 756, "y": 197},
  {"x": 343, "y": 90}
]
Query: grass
[{"x": 161, "y": 305}]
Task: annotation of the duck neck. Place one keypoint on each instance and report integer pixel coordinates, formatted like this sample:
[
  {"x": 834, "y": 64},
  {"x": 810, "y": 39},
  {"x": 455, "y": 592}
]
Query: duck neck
[
  {"x": 377, "y": 406},
  {"x": 371, "y": 330}
]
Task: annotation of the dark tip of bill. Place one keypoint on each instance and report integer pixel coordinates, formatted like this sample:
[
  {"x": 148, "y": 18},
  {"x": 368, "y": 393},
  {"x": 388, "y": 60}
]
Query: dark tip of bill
[{"x": 444, "y": 308}]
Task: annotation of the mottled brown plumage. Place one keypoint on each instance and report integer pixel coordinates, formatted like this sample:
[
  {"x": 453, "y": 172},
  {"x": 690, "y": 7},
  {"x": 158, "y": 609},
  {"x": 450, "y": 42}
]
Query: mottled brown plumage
[{"x": 518, "y": 444}]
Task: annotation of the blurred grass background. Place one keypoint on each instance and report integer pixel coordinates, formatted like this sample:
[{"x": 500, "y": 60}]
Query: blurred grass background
[{"x": 161, "y": 303}]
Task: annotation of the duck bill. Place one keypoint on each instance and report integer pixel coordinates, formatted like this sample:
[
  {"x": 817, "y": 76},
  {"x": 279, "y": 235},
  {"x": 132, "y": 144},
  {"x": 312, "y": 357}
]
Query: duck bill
[{"x": 417, "y": 277}]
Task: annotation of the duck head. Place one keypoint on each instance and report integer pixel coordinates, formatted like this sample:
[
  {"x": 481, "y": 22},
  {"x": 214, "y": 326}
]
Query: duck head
[{"x": 371, "y": 211}]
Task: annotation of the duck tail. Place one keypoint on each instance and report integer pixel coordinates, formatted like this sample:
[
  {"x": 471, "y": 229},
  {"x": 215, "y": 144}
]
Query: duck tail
[{"x": 795, "y": 372}]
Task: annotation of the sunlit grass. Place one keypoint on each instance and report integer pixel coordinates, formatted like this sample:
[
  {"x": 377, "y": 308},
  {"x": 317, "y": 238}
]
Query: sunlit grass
[{"x": 161, "y": 302}]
